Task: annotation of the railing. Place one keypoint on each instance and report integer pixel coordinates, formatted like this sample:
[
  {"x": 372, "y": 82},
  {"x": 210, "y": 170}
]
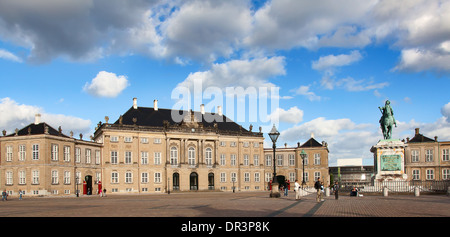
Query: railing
[{"x": 428, "y": 186}]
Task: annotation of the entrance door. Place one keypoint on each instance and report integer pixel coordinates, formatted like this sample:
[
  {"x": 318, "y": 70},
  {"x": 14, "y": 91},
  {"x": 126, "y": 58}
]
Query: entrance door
[
  {"x": 176, "y": 181},
  {"x": 211, "y": 181},
  {"x": 88, "y": 180},
  {"x": 193, "y": 181}
]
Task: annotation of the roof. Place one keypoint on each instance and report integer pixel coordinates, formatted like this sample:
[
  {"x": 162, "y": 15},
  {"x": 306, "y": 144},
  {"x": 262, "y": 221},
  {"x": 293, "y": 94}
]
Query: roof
[
  {"x": 420, "y": 138},
  {"x": 311, "y": 143},
  {"x": 35, "y": 129},
  {"x": 144, "y": 116}
]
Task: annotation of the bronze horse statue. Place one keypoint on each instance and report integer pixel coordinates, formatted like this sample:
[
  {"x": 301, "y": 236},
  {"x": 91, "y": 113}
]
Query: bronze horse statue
[{"x": 387, "y": 120}]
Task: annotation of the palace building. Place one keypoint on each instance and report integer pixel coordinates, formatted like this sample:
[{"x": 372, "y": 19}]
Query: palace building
[{"x": 152, "y": 150}]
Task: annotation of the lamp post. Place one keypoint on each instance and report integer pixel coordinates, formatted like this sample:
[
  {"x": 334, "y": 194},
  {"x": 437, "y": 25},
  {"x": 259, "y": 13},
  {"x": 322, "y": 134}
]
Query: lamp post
[
  {"x": 303, "y": 155},
  {"x": 273, "y": 134}
]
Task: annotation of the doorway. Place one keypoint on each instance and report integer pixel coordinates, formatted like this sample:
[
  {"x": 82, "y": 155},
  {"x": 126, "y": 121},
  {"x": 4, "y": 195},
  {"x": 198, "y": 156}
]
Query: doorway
[
  {"x": 193, "y": 181},
  {"x": 176, "y": 181},
  {"x": 211, "y": 181},
  {"x": 88, "y": 179}
]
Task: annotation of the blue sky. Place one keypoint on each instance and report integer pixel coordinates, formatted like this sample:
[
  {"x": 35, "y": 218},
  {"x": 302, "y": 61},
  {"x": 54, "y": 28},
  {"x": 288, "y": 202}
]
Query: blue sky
[{"x": 334, "y": 63}]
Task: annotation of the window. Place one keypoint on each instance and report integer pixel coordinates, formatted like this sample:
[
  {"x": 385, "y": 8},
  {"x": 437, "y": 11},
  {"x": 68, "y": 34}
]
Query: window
[
  {"x": 157, "y": 158},
  {"x": 430, "y": 174},
  {"x": 144, "y": 157},
  {"x": 22, "y": 152},
  {"x": 157, "y": 141},
  {"x": 97, "y": 157},
  {"x": 306, "y": 159},
  {"x": 445, "y": 155},
  {"x": 255, "y": 160},
  {"x": 114, "y": 139},
  {"x": 246, "y": 159},
  {"x": 113, "y": 157},
  {"x": 291, "y": 159},
  {"x": 114, "y": 177},
  {"x": 233, "y": 159},
  {"x": 446, "y": 174},
  {"x": 22, "y": 177},
  {"x": 268, "y": 177},
  {"x": 232, "y": 144},
  {"x": 291, "y": 176},
  {"x": 246, "y": 177},
  {"x": 173, "y": 156},
  {"x": 256, "y": 144},
  {"x": 233, "y": 177},
  {"x": 144, "y": 177},
  {"x": 223, "y": 177},
  {"x": 191, "y": 156},
  {"x": 55, "y": 177},
  {"x": 54, "y": 152},
  {"x": 157, "y": 178},
  {"x": 317, "y": 159},
  {"x": 416, "y": 174},
  {"x": 144, "y": 140},
  {"x": 429, "y": 155},
  {"x": 77, "y": 154},
  {"x": 128, "y": 177},
  {"x": 268, "y": 160},
  {"x": 223, "y": 159},
  {"x": 316, "y": 175},
  {"x": 66, "y": 153},
  {"x": 66, "y": 177},
  {"x": 223, "y": 143},
  {"x": 128, "y": 139},
  {"x": 35, "y": 177},
  {"x": 257, "y": 177},
  {"x": 9, "y": 178},
  {"x": 279, "y": 160},
  {"x": 414, "y": 156},
  {"x": 9, "y": 153},
  {"x": 88, "y": 156},
  {"x": 245, "y": 144},
  {"x": 35, "y": 151},
  {"x": 128, "y": 157},
  {"x": 208, "y": 156}
]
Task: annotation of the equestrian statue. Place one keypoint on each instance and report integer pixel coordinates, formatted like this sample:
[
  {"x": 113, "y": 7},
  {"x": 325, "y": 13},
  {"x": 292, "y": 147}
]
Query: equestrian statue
[{"x": 387, "y": 120}]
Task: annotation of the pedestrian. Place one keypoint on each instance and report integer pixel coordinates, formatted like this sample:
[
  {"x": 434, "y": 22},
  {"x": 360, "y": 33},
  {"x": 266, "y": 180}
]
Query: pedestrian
[
  {"x": 286, "y": 189},
  {"x": 336, "y": 190},
  {"x": 319, "y": 187},
  {"x": 297, "y": 190},
  {"x": 20, "y": 194},
  {"x": 104, "y": 192},
  {"x": 4, "y": 195}
]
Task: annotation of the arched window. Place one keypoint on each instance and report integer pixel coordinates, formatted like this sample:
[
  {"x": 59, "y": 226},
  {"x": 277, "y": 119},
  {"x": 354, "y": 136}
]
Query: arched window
[
  {"x": 208, "y": 156},
  {"x": 173, "y": 156},
  {"x": 191, "y": 156}
]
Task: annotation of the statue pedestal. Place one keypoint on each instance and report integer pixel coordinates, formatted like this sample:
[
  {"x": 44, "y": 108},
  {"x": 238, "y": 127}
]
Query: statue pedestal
[{"x": 389, "y": 160}]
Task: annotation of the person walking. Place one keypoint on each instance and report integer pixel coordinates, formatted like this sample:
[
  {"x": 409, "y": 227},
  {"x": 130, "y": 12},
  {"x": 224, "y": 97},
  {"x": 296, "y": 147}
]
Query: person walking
[
  {"x": 20, "y": 194},
  {"x": 297, "y": 190},
  {"x": 4, "y": 195},
  {"x": 336, "y": 190},
  {"x": 318, "y": 186}
]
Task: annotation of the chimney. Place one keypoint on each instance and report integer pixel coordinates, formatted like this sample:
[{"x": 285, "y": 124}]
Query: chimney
[
  {"x": 417, "y": 131},
  {"x": 155, "y": 105},
  {"x": 202, "y": 108},
  {"x": 219, "y": 110},
  {"x": 135, "y": 103},
  {"x": 435, "y": 138},
  {"x": 37, "y": 119}
]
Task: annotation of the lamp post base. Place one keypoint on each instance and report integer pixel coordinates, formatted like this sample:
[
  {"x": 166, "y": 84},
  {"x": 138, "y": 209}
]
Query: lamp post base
[{"x": 274, "y": 193}]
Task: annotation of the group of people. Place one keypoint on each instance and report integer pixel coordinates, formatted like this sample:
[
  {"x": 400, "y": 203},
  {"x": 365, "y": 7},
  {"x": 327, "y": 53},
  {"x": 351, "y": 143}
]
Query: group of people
[
  {"x": 318, "y": 185},
  {"x": 5, "y": 195}
]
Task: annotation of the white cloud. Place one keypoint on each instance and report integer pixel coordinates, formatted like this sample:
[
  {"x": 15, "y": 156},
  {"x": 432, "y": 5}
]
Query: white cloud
[
  {"x": 293, "y": 115},
  {"x": 9, "y": 56},
  {"x": 15, "y": 115},
  {"x": 351, "y": 84},
  {"x": 417, "y": 60},
  {"x": 304, "y": 90},
  {"x": 106, "y": 84},
  {"x": 332, "y": 61},
  {"x": 445, "y": 110},
  {"x": 238, "y": 73}
]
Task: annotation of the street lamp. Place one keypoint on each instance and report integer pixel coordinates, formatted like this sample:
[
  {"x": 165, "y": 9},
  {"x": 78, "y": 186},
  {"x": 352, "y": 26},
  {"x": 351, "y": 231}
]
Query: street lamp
[
  {"x": 303, "y": 155},
  {"x": 274, "y": 134}
]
